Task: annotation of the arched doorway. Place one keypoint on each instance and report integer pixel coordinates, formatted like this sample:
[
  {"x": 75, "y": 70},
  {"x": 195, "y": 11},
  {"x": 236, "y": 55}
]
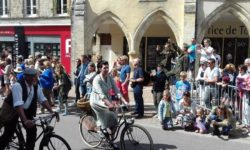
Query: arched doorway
[
  {"x": 155, "y": 30},
  {"x": 106, "y": 36},
  {"x": 229, "y": 36},
  {"x": 156, "y": 35}
]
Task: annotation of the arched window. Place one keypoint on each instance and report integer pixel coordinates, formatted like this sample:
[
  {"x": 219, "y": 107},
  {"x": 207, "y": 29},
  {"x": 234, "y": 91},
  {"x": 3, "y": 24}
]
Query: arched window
[
  {"x": 3, "y": 8},
  {"x": 61, "y": 7},
  {"x": 31, "y": 7}
]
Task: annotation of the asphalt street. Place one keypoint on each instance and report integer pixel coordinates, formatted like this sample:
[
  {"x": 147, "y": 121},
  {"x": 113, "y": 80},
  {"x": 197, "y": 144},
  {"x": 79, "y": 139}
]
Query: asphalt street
[{"x": 163, "y": 140}]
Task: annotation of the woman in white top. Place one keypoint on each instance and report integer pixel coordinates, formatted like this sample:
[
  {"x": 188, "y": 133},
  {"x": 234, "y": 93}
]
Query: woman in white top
[{"x": 207, "y": 51}]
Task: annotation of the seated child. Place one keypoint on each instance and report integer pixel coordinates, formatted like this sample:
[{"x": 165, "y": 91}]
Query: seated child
[
  {"x": 200, "y": 121},
  {"x": 187, "y": 111},
  {"x": 166, "y": 110}
]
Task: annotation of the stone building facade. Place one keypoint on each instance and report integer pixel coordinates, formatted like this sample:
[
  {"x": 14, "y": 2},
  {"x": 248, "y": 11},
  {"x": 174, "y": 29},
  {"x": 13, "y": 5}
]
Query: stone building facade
[
  {"x": 135, "y": 27},
  {"x": 29, "y": 26}
]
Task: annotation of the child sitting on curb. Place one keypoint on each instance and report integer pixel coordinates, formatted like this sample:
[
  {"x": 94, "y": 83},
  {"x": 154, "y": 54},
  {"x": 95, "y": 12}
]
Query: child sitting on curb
[
  {"x": 166, "y": 111},
  {"x": 200, "y": 121}
]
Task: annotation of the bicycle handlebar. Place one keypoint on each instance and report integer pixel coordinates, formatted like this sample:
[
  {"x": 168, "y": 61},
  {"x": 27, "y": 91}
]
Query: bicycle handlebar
[{"x": 47, "y": 119}]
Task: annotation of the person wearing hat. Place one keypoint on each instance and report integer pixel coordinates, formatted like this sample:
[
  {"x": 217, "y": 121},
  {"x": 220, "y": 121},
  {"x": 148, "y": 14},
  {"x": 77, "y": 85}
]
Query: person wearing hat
[
  {"x": 24, "y": 96},
  {"x": 19, "y": 73},
  {"x": 20, "y": 62}
]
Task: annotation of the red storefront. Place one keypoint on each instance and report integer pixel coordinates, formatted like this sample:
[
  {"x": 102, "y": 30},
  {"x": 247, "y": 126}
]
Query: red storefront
[{"x": 55, "y": 39}]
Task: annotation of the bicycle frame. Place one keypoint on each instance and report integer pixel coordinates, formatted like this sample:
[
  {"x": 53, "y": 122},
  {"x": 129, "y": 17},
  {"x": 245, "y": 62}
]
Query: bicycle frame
[
  {"x": 19, "y": 132},
  {"x": 122, "y": 121}
]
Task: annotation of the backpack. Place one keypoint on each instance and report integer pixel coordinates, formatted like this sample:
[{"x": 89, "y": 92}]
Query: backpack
[{"x": 146, "y": 78}]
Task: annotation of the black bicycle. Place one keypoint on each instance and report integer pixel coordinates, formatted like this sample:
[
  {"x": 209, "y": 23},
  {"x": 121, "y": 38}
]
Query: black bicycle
[
  {"x": 132, "y": 136},
  {"x": 49, "y": 141}
]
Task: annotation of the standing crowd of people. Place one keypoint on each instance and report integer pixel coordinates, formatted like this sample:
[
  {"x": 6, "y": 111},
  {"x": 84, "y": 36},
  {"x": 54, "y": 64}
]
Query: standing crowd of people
[
  {"x": 104, "y": 87},
  {"x": 215, "y": 83}
]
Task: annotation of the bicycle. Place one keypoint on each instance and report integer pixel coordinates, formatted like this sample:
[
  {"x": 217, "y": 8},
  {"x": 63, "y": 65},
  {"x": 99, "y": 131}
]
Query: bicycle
[
  {"x": 132, "y": 136},
  {"x": 50, "y": 140}
]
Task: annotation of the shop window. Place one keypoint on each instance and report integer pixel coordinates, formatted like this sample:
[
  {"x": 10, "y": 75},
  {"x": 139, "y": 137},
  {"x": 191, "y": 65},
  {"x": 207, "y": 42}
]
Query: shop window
[
  {"x": 3, "y": 8},
  {"x": 61, "y": 7},
  {"x": 48, "y": 49},
  {"x": 31, "y": 7},
  {"x": 105, "y": 39},
  {"x": 236, "y": 47},
  {"x": 4, "y": 45}
]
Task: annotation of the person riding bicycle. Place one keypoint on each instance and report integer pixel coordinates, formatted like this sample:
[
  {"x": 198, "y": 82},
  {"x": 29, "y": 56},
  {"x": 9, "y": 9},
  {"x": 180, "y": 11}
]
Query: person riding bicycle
[
  {"x": 101, "y": 98},
  {"x": 23, "y": 97}
]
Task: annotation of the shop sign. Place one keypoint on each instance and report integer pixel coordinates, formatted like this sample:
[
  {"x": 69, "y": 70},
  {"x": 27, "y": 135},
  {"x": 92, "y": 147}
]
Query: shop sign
[
  {"x": 228, "y": 30},
  {"x": 67, "y": 47}
]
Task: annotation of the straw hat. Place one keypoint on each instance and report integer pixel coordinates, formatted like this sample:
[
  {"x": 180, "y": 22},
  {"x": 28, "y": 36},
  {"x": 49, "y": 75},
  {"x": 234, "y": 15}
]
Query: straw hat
[
  {"x": 44, "y": 57},
  {"x": 18, "y": 70}
]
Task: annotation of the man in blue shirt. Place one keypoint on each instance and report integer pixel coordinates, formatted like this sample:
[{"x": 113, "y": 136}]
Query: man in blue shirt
[
  {"x": 137, "y": 81},
  {"x": 82, "y": 74},
  {"x": 125, "y": 76},
  {"x": 191, "y": 54}
]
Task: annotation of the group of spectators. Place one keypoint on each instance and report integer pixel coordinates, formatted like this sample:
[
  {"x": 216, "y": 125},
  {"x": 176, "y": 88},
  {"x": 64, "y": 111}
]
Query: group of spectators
[
  {"x": 116, "y": 82},
  {"x": 216, "y": 87},
  {"x": 104, "y": 87},
  {"x": 211, "y": 79},
  {"x": 51, "y": 76}
]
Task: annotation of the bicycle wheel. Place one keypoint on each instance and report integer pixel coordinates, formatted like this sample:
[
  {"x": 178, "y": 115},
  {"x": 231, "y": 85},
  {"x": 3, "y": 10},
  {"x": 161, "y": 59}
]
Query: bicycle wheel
[
  {"x": 136, "y": 137},
  {"x": 89, "y": 134},
  {"x": 54, "y": 142}
]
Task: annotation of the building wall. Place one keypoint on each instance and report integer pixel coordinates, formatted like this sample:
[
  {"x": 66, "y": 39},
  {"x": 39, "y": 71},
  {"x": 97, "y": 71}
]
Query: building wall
[
  {"x": 133, "y": 21},
  {"x": 185, "y": 19},
  {"x": 211, "y": 11},
  {"x": 44, "y": 27}
]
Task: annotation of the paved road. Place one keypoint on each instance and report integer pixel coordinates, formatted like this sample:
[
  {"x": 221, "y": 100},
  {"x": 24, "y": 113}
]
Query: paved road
[{"x": 179, "y": 140}]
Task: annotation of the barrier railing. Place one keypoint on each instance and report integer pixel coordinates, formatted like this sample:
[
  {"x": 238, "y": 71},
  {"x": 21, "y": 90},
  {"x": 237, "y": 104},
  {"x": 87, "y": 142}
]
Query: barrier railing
[{"x": 208, "y": 96}]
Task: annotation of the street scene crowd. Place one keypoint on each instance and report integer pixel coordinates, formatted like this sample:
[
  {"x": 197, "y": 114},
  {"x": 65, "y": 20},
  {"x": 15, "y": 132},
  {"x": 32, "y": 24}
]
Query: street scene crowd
[{"x": 216, "y": 96}]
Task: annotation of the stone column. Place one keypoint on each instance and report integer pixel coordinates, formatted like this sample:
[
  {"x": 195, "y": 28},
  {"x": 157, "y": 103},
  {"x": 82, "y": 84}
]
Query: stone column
[
  {"x": 190, "y": 25},
  {"x": 78, "y": 31},
  {"x": 189, "y": 20}
]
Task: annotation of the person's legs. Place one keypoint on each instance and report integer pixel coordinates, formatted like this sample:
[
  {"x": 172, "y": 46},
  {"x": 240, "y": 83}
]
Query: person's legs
[
  {"x": 31, "y": 138},
  {"x": 83, "y": 89},
  {"x": 139, "y": 106},
  {"x": 124, "y": 91},
  {"x": 215, "y": 95},
  {"x": 226, "y": 130},
  {"x": 155, "y": 100},
  {"x": 77, "y": 92},
  {"x": 9, "y": 130},
  {"x": 207, "y": 98},
  {"x": 158, "y": 99}
]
